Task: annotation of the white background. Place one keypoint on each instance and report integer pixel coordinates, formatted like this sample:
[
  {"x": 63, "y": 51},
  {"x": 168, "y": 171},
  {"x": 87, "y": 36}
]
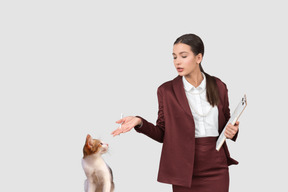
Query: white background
[{"x": 69, "y": 68}]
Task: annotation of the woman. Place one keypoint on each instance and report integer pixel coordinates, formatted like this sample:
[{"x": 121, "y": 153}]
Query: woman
[{"x": 193, "y": 110}]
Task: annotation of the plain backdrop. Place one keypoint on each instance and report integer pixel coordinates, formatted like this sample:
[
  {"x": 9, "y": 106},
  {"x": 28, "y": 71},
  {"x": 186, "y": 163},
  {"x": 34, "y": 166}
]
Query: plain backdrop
[{"x": 69, "y": 68}]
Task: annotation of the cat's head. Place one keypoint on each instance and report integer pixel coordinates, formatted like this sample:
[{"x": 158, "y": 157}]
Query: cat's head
[{"x": 94, "y": 146}]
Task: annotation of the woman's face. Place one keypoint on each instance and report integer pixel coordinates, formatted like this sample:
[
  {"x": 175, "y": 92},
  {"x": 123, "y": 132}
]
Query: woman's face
[{"x": 185, "y": 61}]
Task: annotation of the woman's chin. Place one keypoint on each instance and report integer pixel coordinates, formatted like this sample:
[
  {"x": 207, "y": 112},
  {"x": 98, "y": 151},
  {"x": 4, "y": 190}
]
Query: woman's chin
[{"x": 181, "y": 73}]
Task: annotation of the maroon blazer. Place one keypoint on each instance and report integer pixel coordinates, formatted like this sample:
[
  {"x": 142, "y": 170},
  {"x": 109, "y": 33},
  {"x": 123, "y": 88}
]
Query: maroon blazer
[{"x": 175, "y": 128}]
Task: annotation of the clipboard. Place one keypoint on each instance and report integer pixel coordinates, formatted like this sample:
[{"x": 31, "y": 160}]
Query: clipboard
[{"x": 233, "y": 119}]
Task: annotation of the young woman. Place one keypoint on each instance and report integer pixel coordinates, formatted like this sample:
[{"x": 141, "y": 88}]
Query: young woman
[{"x": 193, "y": 110}]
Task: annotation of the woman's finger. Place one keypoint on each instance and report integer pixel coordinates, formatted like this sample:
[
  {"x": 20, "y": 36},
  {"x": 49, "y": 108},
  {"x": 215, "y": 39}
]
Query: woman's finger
[
  {"x": 119, "y": 130},
  {"x": 116, "y": 132},
  {"x": 228, "y": 133},
  {"x": 231, "y": 131},
  {"x": 119, "y": 121}
]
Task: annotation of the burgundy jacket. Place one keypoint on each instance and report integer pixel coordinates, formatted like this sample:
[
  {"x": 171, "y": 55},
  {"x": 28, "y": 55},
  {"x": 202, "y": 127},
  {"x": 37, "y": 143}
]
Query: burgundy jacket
[{"x": 175, "y": 128}]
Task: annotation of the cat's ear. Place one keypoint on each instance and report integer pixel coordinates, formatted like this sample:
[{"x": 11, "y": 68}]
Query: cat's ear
[
  {"x": 88, "y": 137},
  {"x": 89, "y": 141}
]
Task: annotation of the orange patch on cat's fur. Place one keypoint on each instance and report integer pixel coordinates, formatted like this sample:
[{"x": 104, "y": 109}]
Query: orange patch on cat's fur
[{"x": 91, "y": 146}]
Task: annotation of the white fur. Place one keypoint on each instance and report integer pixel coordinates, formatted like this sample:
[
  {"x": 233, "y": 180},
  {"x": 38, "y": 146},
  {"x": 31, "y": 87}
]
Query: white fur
[{"x": 97, "y": 172}]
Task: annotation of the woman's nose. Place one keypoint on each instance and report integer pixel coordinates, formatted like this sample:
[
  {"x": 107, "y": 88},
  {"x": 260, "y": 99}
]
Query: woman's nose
[{"x": 177, "y": 62}]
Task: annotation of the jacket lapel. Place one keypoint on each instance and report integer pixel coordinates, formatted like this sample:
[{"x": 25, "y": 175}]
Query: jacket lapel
[{"x": 180, "y": 95}]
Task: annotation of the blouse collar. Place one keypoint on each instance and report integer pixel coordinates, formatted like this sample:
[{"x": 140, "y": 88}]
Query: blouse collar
[{"x": 189, "y": 87}]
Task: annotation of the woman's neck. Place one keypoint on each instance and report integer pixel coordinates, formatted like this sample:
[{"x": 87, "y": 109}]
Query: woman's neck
[{"x": 195, "y": 79}]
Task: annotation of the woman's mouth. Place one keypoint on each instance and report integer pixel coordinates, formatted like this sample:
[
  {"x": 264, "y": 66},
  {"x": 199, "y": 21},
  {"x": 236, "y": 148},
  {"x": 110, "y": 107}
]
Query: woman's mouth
[{"x": 179, "y": 69}]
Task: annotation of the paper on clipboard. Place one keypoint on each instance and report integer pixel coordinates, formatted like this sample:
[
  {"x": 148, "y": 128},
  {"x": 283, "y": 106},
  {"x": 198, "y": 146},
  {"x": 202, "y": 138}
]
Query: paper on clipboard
[{"x": 235, "y": 116}]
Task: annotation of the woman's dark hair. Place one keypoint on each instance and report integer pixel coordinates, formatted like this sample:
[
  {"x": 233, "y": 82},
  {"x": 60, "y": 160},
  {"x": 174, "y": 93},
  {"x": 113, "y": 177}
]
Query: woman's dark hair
[{"x": 197, "y": 46}]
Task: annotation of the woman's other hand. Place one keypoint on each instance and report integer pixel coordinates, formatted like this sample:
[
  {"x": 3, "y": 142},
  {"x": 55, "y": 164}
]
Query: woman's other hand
[
  {"x": 231, "y": 130},
  {"x": 127, "y": 123}
]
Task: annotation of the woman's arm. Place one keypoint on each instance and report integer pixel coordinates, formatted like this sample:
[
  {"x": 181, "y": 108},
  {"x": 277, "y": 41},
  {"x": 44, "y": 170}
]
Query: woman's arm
[
  {"x": 231, "y": 131},
  {"x": 141, "y": 125}
]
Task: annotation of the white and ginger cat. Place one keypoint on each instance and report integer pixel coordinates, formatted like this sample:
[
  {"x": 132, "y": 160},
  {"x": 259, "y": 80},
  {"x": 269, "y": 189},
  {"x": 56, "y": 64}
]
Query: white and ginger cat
[{"x": 99, "y": 174}]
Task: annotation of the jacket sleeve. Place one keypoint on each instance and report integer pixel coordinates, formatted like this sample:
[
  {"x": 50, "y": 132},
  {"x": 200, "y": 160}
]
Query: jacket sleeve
[
  {"x": 227, "y": 111},
  {"x": 157, "y": 131}
]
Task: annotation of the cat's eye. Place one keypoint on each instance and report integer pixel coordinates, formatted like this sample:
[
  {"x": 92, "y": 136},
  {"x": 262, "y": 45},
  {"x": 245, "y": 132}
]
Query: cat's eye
[{"x": 101, "y": 143}]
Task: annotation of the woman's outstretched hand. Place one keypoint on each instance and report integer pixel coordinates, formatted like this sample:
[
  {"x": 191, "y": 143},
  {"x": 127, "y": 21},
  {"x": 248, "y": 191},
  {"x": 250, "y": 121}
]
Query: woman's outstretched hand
[{"x": 127, "y": 123}]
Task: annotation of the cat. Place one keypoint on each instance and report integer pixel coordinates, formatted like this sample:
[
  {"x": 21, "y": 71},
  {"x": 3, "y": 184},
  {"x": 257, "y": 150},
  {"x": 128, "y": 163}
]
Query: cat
[{"x": 99, "y": 174}]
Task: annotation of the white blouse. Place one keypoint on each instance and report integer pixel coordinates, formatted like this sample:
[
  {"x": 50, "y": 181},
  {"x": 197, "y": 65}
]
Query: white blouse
[{"x": 205, "y": 116}]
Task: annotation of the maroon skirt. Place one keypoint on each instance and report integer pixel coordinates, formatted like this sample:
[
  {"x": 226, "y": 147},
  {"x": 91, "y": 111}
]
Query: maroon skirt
[{"x": 210, "y": 168}]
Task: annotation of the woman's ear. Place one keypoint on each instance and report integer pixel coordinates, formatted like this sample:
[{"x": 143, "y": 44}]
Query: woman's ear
[{"x": 199, "y": 58}]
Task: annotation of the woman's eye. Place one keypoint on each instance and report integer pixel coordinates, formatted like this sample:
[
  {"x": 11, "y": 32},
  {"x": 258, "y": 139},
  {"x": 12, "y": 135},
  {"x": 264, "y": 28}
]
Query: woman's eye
[{"x": 184, "y": 56}]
